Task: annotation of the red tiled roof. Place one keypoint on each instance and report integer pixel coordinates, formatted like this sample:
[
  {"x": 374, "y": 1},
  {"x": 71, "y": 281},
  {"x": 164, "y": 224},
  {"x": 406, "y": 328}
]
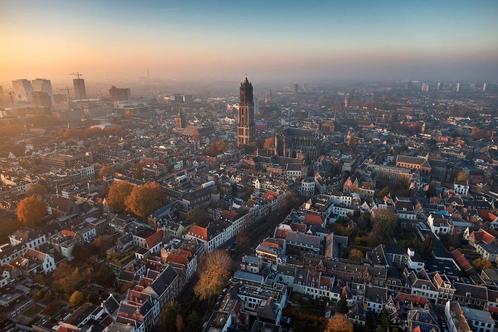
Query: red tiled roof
[
  {"x": 298, "y": 227},
  {"x": 154, "y": 239},
  {"x": 412, "y": 298},
  {"x": 269, "y": 195},
  {"x": 460, "y": 259},
  {"x": 313, "y": 219},
  {"x": 199, "y": 232},
  {"x": 68, "y": 232},
  {"x": 493, "y": 310},
  {"x": 270, "y": 244},
  {"x": 483, "y": 236},
  {"x": 491, "y": 216},
  {"x": 281, "y": 233},
  {"x": 178, "y": 257},
  {"x": 230, "y": 215}
]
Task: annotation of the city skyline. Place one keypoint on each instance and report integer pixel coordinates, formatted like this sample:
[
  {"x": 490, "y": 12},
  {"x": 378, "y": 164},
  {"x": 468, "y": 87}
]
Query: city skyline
[{"x": 271, "y": 42}]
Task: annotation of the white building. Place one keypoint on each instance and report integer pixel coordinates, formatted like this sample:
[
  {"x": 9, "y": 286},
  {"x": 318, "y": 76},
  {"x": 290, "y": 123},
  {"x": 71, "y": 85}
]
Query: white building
[
  {"x": 461, "y": 188},
  {"x": 307, "y": 187}
]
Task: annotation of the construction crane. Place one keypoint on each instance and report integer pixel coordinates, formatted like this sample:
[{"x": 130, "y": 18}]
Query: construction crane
[{"x": 77, "y": 74}]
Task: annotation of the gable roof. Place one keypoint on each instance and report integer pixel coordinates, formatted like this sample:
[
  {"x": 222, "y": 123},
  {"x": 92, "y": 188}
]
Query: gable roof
[
  {"x": 155, "y": 238},
  {"x": 199, "y": 232}
]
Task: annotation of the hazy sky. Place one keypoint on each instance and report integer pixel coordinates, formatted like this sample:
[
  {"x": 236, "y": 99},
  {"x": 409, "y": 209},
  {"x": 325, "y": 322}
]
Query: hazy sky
[{"x": 269, "y": 40}]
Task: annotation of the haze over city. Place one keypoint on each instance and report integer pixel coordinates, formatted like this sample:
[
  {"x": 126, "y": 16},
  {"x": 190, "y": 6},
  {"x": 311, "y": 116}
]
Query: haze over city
[
  {"x": 248, "y": 166},
  {"x": 270, "y": 40}
]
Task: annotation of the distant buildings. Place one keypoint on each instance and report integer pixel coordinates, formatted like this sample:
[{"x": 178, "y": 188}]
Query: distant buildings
[
  {"x": 119, "y": 94},
  {"x": 246, "y": 129}
]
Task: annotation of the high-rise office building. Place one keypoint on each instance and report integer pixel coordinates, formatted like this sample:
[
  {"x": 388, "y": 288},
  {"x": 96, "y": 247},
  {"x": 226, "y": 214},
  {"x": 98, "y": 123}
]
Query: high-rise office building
[
  {"x": 79, "y": 88},
  {"x": 246, "y": 129},
  {"x": 425, "y": 87},
  {"x": 458, "y": 87},
  {"x": 42, "y": 85},
  {"x": 22, "y": 90}
]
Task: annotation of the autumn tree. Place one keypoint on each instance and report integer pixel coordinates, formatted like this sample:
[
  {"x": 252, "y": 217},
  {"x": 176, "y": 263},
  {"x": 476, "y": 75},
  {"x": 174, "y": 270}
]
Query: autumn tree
[
  {"x": 214, "y": 272},
  {"x": 243, "y": 240},
  {"x": 179, "y": 323},
  {"x": 138, "y": 172},
  {"x": 355, "y": 254},
  {"x": 269, "y": 143},
  {"x": 385, "y": 223},
  {"x": 168, "y": 317},
  {"x": 342, "y": 305},
  {"x": 481, "y": 264},
  {"x": 31, "y": 211},
  {"x": 37, "y": 189},
  {"x": 339, "y": 323},
  {"x": 461, "y": 176},
  {"x": 199, "y": 216},
  {"x": 144, "y": 199},
  {"x": 105, "y": 171},
  {"x": 76, "y": 298},
  {"x": 216, "y": 147},
  {"x": 118, "y": 193},
  {"x": 66, "y": 278},
  {"x": 193, "y": 321}
]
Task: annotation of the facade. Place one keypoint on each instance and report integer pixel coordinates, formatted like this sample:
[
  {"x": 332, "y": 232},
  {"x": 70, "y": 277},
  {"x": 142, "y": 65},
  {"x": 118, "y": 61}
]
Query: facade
[
  {"x": 420, "y": 164},
  {"x": 246, "y": 128},
  {"x": 42, "y": 85},
  {"x": 79, "y": 88},
  {"x": 298, "y": 143},
  {"x": 180, "y": 121},
  {"x": 22, "y": 90}
]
